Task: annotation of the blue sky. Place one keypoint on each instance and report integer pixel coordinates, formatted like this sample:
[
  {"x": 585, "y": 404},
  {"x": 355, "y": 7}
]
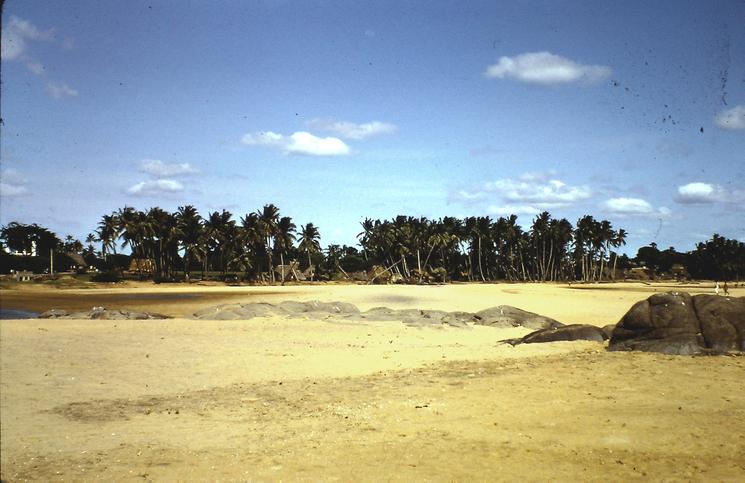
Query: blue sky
[{"x": 337, "y": 111}]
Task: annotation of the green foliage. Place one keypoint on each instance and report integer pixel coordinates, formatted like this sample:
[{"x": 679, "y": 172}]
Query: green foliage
[{"x": 109, "y": 276}]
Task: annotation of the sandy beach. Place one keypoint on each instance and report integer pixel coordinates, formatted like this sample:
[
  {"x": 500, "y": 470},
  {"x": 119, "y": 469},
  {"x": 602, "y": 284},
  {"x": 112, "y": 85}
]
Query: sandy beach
[{"x": 278, "y": 398}]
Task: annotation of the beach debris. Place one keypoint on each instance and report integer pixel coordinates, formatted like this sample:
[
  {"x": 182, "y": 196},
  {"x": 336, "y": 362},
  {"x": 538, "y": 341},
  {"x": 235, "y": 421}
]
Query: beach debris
[
  {"x": 100, "y": 313},
  {"x": 678, "y": 323}
]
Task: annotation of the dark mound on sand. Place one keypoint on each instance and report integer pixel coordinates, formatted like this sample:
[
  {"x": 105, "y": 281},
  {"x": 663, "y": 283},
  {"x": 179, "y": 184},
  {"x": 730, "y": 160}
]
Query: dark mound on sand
[
  {"x": 677, "y": 323},
  {"x": 565, "y": 333},
  {"x": 502, "y": 316}
]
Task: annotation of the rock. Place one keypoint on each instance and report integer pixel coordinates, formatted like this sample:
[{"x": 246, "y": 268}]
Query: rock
[
  {"x": 568, "y": 332},
  {"x": 100, "y": 313},
  {"x": 505, "y": 316},
  {"x": 565, "y": 333},
  {"x": 722, "y": 321},
  {"x": 53, "y": 314},
  {"x": 676, "y": 323}
]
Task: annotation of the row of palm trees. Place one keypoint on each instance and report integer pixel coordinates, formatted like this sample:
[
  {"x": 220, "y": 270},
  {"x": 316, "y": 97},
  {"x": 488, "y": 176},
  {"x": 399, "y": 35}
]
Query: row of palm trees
[
  {"x": 480, "y": 248},
  {"x": 472, "y": 248},
  {"x": 216, "y": 242}
]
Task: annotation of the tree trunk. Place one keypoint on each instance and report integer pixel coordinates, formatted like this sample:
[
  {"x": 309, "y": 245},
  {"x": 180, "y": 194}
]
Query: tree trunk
[{"x": 481, "y": 269}]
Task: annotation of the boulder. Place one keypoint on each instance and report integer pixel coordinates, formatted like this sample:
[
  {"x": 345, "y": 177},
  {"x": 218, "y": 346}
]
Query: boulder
[
  {"x": 677, "y": 323},
  {"x": 505, "y": 316}
]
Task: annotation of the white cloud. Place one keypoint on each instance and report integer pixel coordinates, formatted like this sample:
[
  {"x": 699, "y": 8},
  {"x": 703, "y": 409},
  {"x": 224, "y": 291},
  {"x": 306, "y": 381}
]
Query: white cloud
[
  {"x": 543, "y": 193},
  {"x": 8, "y": 190},
  {"x": 160, "y": 169},
  {"x": 706, "y": 193},
  {"x": 264, "y": 138},
  {"x": 35, "y": 67},
  {"x": 12, "y": 183},
  {"x": 350, "y": 130},
  {"x": 301, "y": 142},
  {"x": 528, "y": 194},
  {"x": 157, "y": 187},
  {"x": 58, "y": 90},
  {"x": 731, "y": 119},
  {"x": 506, "y": 210},
  {"x": 15, "y": 36},
  {"x": 634, "y": 207},
  {"x": 546, "y": 68}
]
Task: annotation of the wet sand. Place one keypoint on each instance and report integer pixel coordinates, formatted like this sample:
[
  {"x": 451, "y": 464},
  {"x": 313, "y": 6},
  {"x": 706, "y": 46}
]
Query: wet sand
[{"x": 278, "y": 398}]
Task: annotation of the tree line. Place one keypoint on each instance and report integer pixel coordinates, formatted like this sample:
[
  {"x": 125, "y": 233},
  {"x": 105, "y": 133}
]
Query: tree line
[{"x": 414, "y": 249}]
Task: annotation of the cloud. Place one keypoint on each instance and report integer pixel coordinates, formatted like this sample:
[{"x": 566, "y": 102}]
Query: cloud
[
  {"x": 706, "y": 193},
  {"x": 731, "y": 119},
  {"x": 35, "y": 67},
  {"x": 264, "y": 138},
  {"x": 350, "y": 130},
  {"x": 12, "y": 183},
  {"x": 305, "y": 143},
  {"x": 633, "y": 207},
  {"x": 544, "y": 193},
  {"x": 301, "y": 142},
  {"x": 155, "y": 188},
  {"x": 160, "y": 169},
  {"x": 15, "y": 36},
  {"x": 545, "y": 68},
  {"x": 529, "y": 194},
  {"x": 58, "y": 90},
  {"x": 506, "y": 210}
]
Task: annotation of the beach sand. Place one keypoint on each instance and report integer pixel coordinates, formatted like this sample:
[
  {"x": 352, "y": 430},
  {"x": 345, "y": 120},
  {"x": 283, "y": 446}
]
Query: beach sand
[{"x": 279, "y": 399}]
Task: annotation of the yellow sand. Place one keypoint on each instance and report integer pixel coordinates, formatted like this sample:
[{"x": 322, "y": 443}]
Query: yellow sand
[{"x": 275, "y": 398}]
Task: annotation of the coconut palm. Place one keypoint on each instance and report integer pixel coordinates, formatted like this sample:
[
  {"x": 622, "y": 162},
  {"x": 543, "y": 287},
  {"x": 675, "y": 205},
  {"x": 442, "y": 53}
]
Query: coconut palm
[
  {"x": 268, "y": 218},
  {"x": 309, "y": 242},
  {"x": 191, "y": 227},
  {"x": 284, "y": 236}
]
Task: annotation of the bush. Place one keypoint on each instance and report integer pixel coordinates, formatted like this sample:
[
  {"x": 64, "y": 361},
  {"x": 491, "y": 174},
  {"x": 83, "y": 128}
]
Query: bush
[{"x": 109, "y": 276}]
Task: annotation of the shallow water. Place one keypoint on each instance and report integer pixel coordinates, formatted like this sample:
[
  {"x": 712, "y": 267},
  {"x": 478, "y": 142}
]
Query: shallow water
[{"x": 17, "y": 314}]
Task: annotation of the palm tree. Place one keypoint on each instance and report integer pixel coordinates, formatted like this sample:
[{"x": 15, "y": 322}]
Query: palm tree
[
  {"x": 107, "y": 233},
  {"x": 309, "y": 242},
  {"x": 268, "y": 218},
  {"x": 619, "y": 239},
  {"x": 284, "y": 236},
  {"x": 191, "y": 227}
]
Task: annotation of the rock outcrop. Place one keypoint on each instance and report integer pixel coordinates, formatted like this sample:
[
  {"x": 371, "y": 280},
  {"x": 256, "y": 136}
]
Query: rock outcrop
[
  {"x": 100, "y": 313},
  {"x": 678, "y": 323},
  {"x": 565, "y": 333},
  {"x": 504, "y": 316},
  {"x": 500, "y": 317}
]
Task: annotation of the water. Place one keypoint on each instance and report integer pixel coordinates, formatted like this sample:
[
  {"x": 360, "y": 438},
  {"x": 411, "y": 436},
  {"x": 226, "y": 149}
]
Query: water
[{"x": 17, "y": 314}]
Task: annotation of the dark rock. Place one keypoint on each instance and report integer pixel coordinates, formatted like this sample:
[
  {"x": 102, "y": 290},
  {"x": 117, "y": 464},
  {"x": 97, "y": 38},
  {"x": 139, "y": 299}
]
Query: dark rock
[
  {"x": 505, "y": 316},
  {"x": 676, "y": 323},
  {"x": 722, "y": 321},
  {"x": 608, "y": 330},
  {"x": 565, "y": 333}
]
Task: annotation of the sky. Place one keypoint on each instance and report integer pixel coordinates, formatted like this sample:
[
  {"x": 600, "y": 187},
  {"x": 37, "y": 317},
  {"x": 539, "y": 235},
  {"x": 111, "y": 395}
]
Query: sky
[{"x": 632, "y": 112}]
